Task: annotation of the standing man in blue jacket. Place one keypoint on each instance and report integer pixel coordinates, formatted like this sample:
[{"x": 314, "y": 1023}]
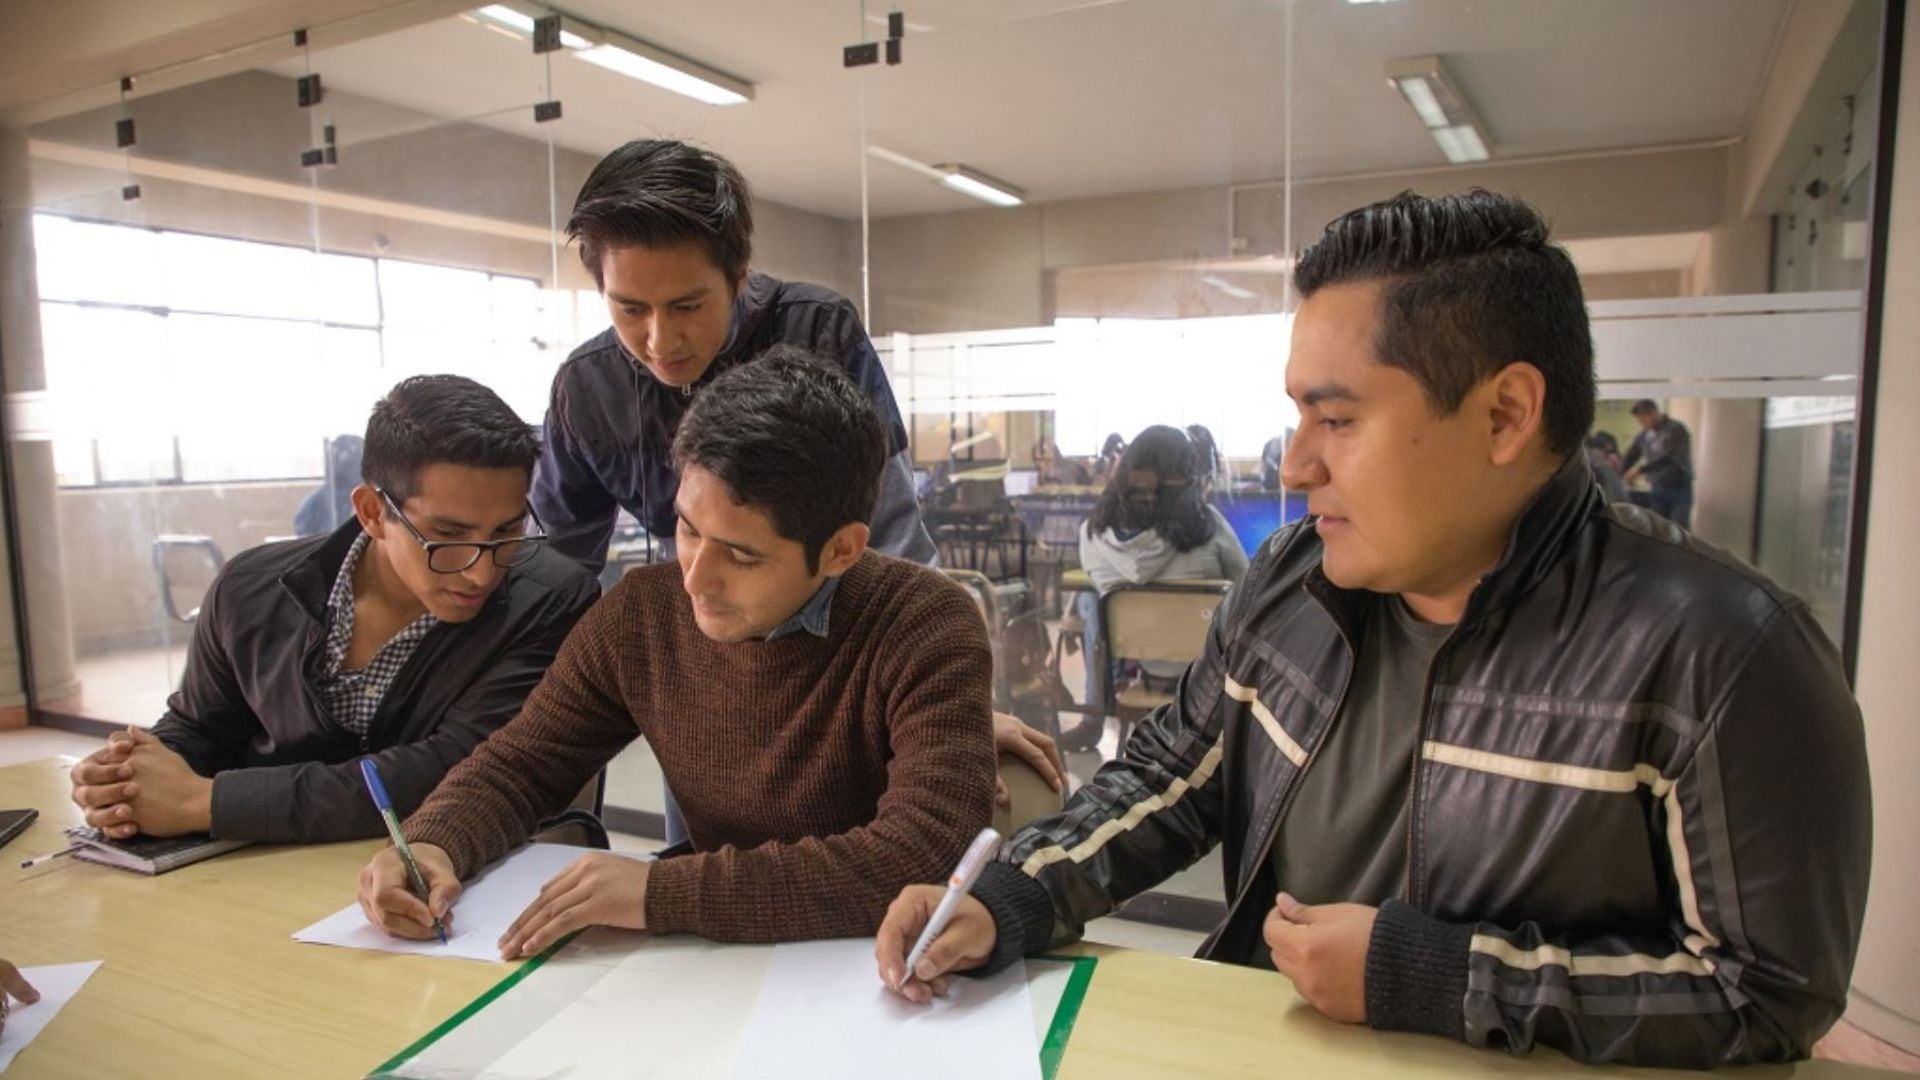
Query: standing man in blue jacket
[{"x": 666, "y": 230}]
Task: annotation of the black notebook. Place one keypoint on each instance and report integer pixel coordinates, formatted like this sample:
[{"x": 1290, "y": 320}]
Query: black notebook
[{"x": 148, "y": 854}]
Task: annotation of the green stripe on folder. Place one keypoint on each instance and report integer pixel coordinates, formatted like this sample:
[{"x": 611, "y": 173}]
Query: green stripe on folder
[
  {"x": 1055, "y": 1047},
  {"x": 386, "y": 1067},
  {"x": 1051, "y": 1051}
]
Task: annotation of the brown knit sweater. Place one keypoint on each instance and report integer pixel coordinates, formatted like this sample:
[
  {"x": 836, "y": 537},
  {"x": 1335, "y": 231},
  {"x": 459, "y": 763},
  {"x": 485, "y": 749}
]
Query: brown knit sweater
[{"x": 817, "y": 776}]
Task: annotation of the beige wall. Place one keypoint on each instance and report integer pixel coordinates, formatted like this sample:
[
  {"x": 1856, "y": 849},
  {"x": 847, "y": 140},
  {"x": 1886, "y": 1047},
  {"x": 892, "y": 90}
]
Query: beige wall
[
  {"x": 984, "y": 269},
  {"x": 1886, "y": 979}
]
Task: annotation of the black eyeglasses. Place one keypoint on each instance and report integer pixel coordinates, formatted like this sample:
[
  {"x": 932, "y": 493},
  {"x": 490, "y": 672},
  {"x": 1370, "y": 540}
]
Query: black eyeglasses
[{"x": 452, "y": 557}]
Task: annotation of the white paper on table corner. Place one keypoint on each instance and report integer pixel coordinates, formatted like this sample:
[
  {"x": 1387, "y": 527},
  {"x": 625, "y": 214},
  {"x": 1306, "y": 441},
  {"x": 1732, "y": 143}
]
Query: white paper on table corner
[
  {"x": 487, "y": 906},
  {"x": 57, "y": 983},
  {"x": 823, "y": 1013}
]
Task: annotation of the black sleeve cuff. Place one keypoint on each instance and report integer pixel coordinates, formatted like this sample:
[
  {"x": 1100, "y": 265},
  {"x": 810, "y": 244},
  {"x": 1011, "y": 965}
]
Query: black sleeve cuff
[
  {"x": 1022, "y": 914},
  {"x": 1417, "y": 973}
]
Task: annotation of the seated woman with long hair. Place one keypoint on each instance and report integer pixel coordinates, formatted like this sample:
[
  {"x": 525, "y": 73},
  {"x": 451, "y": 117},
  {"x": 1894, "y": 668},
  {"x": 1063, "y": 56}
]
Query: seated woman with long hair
[{"x": 1153, "y": 523}]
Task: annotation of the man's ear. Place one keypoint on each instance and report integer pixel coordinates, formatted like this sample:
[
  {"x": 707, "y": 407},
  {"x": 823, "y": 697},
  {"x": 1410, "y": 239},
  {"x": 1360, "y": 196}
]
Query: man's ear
[
  {"x": 844, "y": 548},
  {"x": 370, "y": 508},
  {"x": 1515, "y": 400}
]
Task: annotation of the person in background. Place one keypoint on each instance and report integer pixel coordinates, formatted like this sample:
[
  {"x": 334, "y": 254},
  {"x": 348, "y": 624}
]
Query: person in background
[
  {"x": 1153, "y": 523},
  {"x": 329, "y": 506},
  {"x": 1109, "y": 459},
  {"x": 1271, "y": 455},
  {"x": 1211, "y": 464},
  {"x": 1056, "y": 470},
  {"x": 1603, "y": 457},
  {"x": 1662, "y": 454}
]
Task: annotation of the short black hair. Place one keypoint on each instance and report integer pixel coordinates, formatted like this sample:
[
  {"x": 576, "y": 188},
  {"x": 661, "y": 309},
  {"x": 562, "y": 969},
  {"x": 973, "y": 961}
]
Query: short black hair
[
  {"x": 789, "y": 433},
  {"x": 442, "y": 419},
  {"x": 1179, "y": 509},
  {"x": 1645, "y": 406},
  {"x": 1472, "y": 283},
  {"x": 659, "y": 193}
]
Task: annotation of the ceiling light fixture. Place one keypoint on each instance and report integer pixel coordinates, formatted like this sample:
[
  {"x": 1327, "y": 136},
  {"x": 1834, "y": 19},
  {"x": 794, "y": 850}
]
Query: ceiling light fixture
[
  {"x": 981, "y": 186},
  {"x": 1436, "y": 99},
  {"x": 621, "y": 53},
  {"x": 960, "y": 178},
  {"x": 520, "y": 24}
]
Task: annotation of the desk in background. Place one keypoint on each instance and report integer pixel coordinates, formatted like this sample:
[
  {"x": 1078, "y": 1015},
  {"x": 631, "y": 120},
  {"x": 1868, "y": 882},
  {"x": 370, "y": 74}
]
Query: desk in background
[{"x": 203, "y": 979}]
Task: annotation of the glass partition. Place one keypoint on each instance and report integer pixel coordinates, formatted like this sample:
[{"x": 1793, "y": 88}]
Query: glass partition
[{"x": 1063, "y": 223}]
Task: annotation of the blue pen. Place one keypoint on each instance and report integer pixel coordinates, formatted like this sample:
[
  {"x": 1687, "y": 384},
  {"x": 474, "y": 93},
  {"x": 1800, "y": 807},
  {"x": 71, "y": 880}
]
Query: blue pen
[{"x": 378, "y": 790}]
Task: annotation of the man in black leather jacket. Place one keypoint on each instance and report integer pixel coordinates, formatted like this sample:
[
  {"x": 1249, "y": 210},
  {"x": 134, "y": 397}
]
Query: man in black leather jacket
[{"x": 1487, "y": 757}]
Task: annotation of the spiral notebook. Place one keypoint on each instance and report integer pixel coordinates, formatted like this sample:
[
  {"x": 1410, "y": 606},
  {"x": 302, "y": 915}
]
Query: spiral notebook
[{"x": 148, "y": 854}]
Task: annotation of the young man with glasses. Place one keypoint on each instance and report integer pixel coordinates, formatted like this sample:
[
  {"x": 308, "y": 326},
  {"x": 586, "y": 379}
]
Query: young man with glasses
[{"x": 408, "y": 635}]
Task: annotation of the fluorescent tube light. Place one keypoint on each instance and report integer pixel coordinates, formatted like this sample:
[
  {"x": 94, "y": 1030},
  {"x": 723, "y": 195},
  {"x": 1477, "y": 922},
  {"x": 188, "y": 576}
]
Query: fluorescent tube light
[
  {"x": 1420, "y": 96},
  {"x": 981, "y": 186},
  {"x": 1461, "y": 143},
  {"x": 521, "y": 23},
  {"x": 1443, "y": 110},
  {"x": 638, "y": 60},
  {"x": 620, "y": 53}
]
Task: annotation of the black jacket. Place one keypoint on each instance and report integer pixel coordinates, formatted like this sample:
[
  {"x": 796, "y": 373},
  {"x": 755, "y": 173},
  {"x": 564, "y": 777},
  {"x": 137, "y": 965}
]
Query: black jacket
[
  {"x": 248, "y": 713},
  {"x": 1640, "y": 824},
  {"x": 610, "y": 424}
]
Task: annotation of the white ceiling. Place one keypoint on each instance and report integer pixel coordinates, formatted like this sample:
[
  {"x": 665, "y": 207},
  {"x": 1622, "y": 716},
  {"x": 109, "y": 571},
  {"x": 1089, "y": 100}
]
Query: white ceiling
[{"x": 1069, "y": 98}]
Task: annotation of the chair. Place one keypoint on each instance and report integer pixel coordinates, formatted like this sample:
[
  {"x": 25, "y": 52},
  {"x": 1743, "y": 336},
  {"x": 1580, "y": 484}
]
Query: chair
[
  {"x": 579, "y": 824},
  {"x": 1022, "y": 683},
  {"x": 165, "y": 546},
  {"x": 1163, "y": 621}
]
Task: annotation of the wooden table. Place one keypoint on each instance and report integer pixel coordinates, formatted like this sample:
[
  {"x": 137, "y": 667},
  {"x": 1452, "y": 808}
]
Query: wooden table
[{"x": 203, "y": 979}]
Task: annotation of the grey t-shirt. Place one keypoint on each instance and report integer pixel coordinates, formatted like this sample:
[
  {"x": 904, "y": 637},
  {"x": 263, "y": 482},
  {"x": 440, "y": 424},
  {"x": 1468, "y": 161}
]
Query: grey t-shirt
[{"x": 1345, "y": 836}]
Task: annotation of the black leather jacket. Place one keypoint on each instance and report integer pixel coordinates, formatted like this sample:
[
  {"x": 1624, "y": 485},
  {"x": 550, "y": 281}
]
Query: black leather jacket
[
  {"x": 247, "y": 712},
  {"x": 1640, "y": 824}
]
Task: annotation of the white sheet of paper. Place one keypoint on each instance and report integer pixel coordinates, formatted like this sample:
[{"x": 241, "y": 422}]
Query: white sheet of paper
[
  {"x": 823, "y": 1013},
  {"x": 57, "y": 984},
  {"x": 487, "y": 906}
]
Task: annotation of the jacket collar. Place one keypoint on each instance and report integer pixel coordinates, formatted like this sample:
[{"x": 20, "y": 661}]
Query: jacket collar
[
  {"x": 1539, "y": 538},
  {"x": 310, "y": 581}
]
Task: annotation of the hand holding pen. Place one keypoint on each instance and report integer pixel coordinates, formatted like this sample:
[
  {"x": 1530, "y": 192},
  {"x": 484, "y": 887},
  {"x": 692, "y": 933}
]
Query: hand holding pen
[{"x": 419, "y": 897}]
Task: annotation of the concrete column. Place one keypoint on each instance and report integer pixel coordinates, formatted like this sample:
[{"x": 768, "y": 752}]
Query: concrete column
[
  {"x": 31, "y": 449},
  {"x": 1886, "y": 979}
]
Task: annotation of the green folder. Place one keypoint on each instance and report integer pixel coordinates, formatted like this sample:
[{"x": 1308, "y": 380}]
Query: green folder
[{"x": 1052, "y": 1048}]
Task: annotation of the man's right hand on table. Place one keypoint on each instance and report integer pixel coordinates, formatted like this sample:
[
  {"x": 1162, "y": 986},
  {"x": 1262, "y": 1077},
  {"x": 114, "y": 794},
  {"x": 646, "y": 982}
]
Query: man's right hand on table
[
  {"x": 966, "y": 943},
  {"x": 390, "y": 904}
]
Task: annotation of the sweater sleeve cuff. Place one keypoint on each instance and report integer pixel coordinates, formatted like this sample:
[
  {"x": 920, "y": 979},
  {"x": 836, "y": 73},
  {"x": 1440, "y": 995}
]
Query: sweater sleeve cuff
[
  {"x": 1022, "y": 914},
  {"x": 672, "y": 900},
  {"x": 461, "y": 849},
  {"x": 1417, "y": 972}
]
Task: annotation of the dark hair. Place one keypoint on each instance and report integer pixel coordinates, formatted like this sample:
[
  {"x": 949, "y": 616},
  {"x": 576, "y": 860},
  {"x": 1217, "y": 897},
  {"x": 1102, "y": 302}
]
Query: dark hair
[
  {"x": 1645, "y": 406},
  {"x": 789, "y": 433},
  {"x": 1604, "y": 440},
  {"x": 1472, "y": 284},
  {"x": 659, "y": 193},
  {"x": 442, "y": 419},
  {"x": 1179, "y": 510}
]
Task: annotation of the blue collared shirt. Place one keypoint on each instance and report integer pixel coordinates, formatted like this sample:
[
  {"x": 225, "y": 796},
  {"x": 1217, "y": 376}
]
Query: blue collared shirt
[{"x": 812, "y": 616}]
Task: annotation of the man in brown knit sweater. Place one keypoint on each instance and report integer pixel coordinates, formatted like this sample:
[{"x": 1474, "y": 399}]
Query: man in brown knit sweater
[{"x": 821, "y": 712}]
